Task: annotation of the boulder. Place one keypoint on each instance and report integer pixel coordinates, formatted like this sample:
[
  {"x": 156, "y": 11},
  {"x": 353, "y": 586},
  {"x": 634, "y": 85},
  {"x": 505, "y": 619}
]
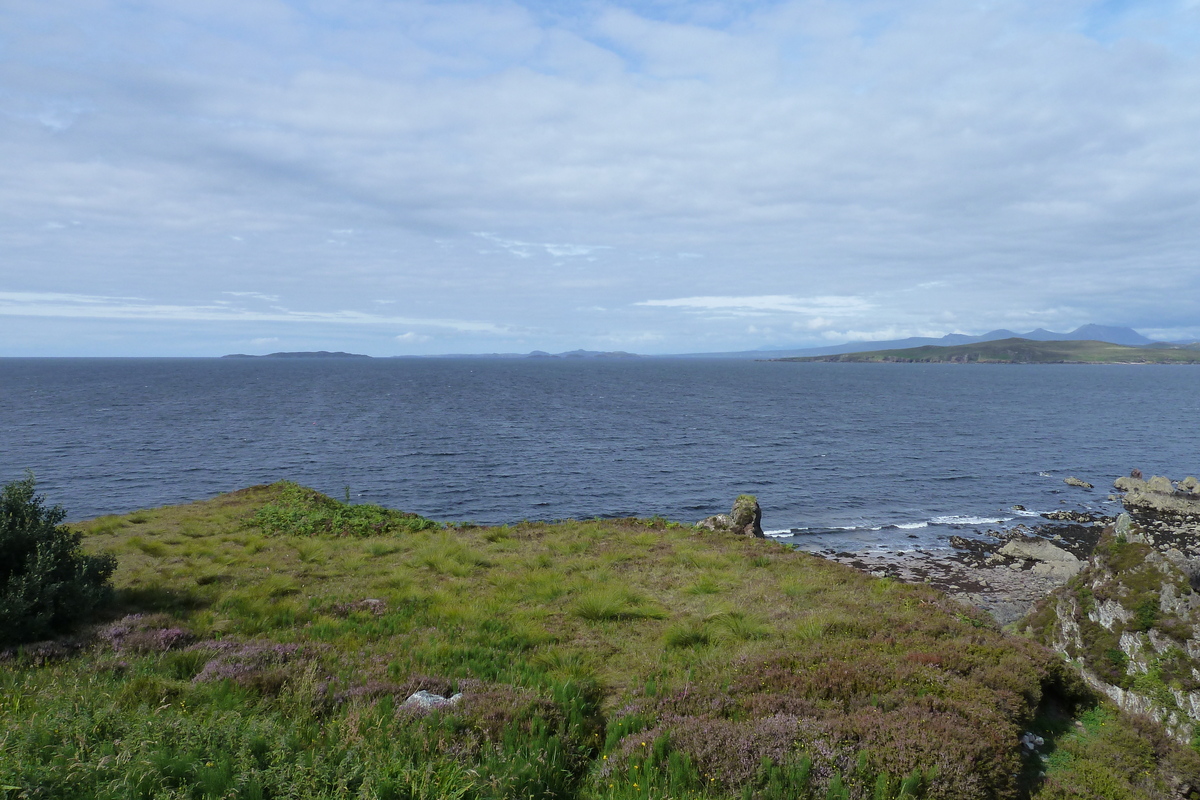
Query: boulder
[
  {"x": 1123, "y": 527},
  {"x": 1073, "y": 481},
  {"x": 1130, "y": 484},
  {"x": 425, "y": 701},
  {"x": 717, "y": 522},
  {"x": 1160, "y": 483},
  {"x": 1037, "y": 550},
  {"x": 744, "y": 520}
]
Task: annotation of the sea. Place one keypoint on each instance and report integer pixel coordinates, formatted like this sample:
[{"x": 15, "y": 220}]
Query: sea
[{"x": 842, "y": 457}]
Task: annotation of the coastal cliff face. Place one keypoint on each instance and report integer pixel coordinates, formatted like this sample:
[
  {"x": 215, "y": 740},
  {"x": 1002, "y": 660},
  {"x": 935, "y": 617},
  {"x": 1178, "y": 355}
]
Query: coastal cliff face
[{"x": 1130, "y": 619}]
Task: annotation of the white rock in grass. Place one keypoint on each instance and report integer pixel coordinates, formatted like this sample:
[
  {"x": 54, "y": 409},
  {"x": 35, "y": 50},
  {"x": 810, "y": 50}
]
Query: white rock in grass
[{"x": 427, "y": 700}]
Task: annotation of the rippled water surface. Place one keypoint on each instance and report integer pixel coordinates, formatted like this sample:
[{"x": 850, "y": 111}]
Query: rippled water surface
[{"x": 844, "y": 455}]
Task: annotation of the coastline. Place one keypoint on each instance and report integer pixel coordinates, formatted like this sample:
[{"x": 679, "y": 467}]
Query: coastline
[{"x": 977, "y": 573}]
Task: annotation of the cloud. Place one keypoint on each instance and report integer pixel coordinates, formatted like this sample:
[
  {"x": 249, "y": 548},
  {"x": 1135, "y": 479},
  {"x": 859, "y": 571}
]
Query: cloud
[
  {"x": 270, "y": 298},
  {"x": 412, "y": 337},
  {"x": 526, "y": 249},
  {"x": 1045, "y": 158},
  {"x": 28, "y": 304},
  {"x": 786, "y": 304}
]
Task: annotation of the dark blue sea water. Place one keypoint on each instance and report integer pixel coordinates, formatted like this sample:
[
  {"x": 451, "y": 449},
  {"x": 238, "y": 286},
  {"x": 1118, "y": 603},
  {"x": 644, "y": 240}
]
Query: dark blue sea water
[{"x": 846, "y": 456}]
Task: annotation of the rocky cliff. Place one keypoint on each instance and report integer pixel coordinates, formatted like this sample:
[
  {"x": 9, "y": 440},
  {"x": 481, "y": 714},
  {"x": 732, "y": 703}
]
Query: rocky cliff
[{"x": 1130, "y": 619}]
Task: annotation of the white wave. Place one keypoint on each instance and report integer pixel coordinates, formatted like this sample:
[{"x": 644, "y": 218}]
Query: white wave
[
  {"x": 911, "y": 526},
  {"x": 1027, "y": 513},
  {"x": 1045, "y": 475},
  {"x": 965, "y": 520},
  {"x": 779, "y": 534}
]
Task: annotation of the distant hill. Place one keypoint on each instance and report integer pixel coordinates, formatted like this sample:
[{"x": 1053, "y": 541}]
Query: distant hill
[
  {"x": 315, "y": 354},
  {"x": 1019, "y": 350},
  {"x": 1099, "y": 333},
  {"x": 539, "y": 354}
]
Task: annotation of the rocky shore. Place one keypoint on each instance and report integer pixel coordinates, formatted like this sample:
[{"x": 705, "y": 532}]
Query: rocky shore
[
  {"x": 1118, "y": 597},
  {"x": 1006, "y": 573}
]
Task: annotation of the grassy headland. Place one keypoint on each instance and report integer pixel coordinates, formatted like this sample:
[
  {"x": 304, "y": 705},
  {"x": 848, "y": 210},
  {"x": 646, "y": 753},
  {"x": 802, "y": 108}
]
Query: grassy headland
[
  {"x": 268, "y": 639},
  {"x": 1022, "y": 351}
]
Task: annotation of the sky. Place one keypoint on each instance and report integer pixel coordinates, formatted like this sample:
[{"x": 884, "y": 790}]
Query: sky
[{"x": 182, "y": 178}]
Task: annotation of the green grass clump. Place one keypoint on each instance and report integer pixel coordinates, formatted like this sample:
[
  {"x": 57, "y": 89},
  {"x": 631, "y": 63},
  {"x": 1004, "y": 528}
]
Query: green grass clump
[
  {"x": 590, "y": 667},
  {"x": 299, "y": 511},
  {"x": 606, "y": 605}
]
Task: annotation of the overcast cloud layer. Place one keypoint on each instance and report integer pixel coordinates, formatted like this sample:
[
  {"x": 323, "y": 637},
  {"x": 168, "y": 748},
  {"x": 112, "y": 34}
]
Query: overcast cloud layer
[{"x": 198, "y": 178}]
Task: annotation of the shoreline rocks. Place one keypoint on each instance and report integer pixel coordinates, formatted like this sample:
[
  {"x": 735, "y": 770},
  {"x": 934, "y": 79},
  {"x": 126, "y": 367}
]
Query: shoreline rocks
[
  {"x": 1159, "y": 496},
  {"x": 1005, "y": 574}
]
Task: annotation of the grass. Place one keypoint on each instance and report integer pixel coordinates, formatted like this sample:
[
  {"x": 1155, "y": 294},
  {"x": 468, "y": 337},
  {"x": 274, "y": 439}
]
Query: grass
[{"x": 620, "y": 659}]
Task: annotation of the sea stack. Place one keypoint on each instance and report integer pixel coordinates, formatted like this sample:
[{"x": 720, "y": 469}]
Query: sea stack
[{"x": 745, "y": 519}]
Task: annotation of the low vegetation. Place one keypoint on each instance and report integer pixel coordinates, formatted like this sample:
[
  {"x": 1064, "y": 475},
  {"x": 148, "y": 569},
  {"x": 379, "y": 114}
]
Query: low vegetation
[
  {"x": 47, "y": 584},
  {"x": 596, "y": 659}
]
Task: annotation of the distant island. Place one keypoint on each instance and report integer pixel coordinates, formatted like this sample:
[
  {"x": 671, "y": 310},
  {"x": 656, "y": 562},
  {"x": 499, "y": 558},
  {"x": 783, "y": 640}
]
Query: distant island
[
  {"x": 1088, "y": 344},
  {"x": 314, "y": 354},
  {"x": 1022, "y": 351},
  {"x": 538, "y": 354}
]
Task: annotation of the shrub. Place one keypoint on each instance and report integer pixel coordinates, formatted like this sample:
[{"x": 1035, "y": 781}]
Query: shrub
[{"x": 46, "y": 582}]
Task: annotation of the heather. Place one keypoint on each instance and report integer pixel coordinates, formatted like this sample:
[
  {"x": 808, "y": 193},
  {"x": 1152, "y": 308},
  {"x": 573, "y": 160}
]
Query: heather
[{"x": 595, "y": 659}]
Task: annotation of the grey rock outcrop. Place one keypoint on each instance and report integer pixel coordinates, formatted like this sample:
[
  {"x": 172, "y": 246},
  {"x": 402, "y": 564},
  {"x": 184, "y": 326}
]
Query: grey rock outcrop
[
  {"x": 745, "y": 519},
  {"x": 1050, "y": 560},
  {"x": 1131, "y": 619},
  {"x": 1073, "y": 481},
  {"x": 1159, "y": 496}
]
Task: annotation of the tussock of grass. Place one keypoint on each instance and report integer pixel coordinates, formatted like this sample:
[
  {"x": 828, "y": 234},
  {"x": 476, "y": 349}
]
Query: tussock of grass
[
  {"x": 604, "y": 605},
  {"x": 739, "y": 625},
  {"x": 707, "y": 584},
  {"x": 109, "y": 524},
  {"x": 593, "y": 660},
  {"x": 692, "y": 633},
  {"x": 150, "y": 548}
]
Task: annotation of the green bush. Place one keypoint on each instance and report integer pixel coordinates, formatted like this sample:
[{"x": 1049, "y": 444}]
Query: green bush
[
  {"x": 46, "y": 582},
  {"x": 299, "y": 511}
]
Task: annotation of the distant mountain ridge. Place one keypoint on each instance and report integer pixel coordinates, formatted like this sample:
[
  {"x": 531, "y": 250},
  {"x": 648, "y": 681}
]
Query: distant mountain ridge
[
  {"x": 1020, "y": 351},
  {"x": 1096, "y": 333}
]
